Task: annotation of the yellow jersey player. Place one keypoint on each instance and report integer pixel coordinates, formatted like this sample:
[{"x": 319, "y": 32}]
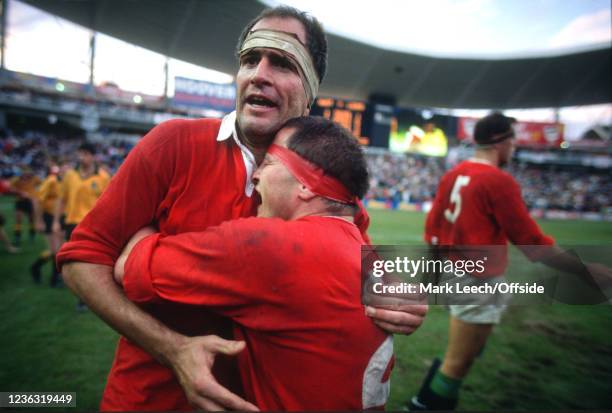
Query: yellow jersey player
[
  {"x": 81, "y": 188},
  {"x": 25, "y": 187},
  {"x": 48, "y": 194}
]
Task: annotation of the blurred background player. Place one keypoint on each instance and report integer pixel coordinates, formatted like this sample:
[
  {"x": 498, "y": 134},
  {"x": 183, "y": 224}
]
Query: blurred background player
[
  {"x": 5, "y": 188},
  {"x": 81, "y": 187},
  {"x": 25, "y": 187},
  {"x": 476, "y": 204},
  {"x": 479, "y": 204},
  {"x": 48, "y": 194}
]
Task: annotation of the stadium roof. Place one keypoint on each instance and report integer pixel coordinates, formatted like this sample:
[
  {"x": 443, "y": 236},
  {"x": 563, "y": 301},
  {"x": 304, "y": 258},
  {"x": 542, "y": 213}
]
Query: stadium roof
[{"x": 205, "y": 33}]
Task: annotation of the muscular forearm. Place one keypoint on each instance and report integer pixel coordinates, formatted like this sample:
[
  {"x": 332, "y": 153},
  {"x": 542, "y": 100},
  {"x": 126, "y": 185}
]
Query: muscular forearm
[{"x": 94, "y": 284}]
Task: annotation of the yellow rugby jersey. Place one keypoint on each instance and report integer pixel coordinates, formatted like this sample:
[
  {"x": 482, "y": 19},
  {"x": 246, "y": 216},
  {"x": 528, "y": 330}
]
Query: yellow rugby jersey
[
  {"x": 80, "y": 194},
  {"x": 28, "y": 185},
  {"x": 48, "y": 193}
]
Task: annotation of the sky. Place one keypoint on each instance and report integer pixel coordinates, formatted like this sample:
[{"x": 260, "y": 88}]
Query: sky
[
  {"x": 46, "y": 45},
  {"x": 467, "y": 28}
]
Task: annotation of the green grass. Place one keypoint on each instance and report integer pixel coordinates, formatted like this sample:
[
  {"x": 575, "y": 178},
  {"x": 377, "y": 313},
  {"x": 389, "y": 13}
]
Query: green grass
[{"x": 540, "y": 357}]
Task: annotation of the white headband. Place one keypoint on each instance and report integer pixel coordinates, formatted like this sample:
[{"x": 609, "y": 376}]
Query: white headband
[{"x": 291, "y": 46}]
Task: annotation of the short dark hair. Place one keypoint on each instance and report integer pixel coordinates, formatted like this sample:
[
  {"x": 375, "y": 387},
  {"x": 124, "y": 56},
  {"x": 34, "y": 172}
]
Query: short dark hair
[
  {"x": 332, "y": 148},
  {"x": 316, "y": 42},
  {"x": 494, "y": 124},
  {"x": 88, "y": 147}
]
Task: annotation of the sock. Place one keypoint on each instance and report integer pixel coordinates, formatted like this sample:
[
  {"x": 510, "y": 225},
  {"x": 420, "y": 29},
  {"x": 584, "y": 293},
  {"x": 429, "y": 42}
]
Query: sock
[
  {"x": 427, "y": 399},
  {"x": 445, "y": 386}
]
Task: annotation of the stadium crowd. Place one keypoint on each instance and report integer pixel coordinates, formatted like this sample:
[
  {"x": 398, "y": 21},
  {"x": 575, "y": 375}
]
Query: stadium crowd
[
  {"x": 577, "y": 191},
  {"x": 413, "y": 179},
  {"x": 32, "y": 149},
  {"x": 394, "y": 178},
  {"x": 398, "y": 178}
]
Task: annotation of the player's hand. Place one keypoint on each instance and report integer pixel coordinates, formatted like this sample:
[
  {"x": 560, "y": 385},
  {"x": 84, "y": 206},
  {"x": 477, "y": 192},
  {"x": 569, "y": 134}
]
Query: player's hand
[
  {"x": 192, "y": 363},
  {"x": 399, "y": 318},
  {"x": 119, "y": 269}
]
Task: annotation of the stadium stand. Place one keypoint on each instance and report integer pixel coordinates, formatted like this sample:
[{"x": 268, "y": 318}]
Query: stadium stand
[{"x": 398, "y": 180}]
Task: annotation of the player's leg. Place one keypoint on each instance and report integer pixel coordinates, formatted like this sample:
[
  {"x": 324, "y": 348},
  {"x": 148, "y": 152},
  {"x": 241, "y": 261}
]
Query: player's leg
[
  {"x": 4, "y": 239},
  {"x": 45, "y": 256},
  {"x": 55, "y": 242},
  {"x": 69, "y": 229},
  {"x": 469, "y": 329},
  {"x": 36, "y": 267},
  {"x": 465, "y": 342},
  {"x": 57, "y": 239},
  {"x": 18, "y": 220},
  {"x": 30, "y": 214}
]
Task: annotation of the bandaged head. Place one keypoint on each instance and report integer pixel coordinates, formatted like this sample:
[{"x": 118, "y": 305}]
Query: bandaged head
[{"x": 290, "y": 46}]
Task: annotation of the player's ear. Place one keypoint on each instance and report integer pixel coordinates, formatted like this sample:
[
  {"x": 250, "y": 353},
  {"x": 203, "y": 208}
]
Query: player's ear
[{"x": 306, "y": 194}]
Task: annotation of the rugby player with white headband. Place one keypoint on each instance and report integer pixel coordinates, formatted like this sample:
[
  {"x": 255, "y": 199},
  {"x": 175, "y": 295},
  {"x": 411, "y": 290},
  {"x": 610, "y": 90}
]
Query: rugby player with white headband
[{"x": 188, "y": 175}]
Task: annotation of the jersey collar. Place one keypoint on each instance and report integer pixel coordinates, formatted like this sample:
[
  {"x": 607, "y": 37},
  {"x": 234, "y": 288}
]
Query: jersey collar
[{"x": 228, "y": 130}]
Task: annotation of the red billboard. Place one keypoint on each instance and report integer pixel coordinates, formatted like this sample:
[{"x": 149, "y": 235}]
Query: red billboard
[{"x": 533, "y": 134}]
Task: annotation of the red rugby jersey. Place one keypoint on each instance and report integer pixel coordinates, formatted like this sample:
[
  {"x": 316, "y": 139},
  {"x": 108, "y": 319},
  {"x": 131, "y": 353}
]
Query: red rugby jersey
[
  {"x": 479, "y": 204},
  {"x": 184, "y": 175},
  {"x": 293, "y": 288}
]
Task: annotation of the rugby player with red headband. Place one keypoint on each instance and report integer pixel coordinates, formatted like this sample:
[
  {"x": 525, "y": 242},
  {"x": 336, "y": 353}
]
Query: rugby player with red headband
[{"x": 289, "y": 278}]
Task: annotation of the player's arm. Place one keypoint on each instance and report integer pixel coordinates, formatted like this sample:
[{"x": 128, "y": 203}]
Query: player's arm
[
  {"x": 208, "y": 268},
  {"x": 130, "y": 202},
  {"x": 190, "y": 358},
  {"x": 512, "y": 215},
  {"x": 522, "y": 230}
]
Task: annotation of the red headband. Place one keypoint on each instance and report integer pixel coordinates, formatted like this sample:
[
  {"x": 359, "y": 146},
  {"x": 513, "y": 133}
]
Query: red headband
[{"x": 315, "y": 179}]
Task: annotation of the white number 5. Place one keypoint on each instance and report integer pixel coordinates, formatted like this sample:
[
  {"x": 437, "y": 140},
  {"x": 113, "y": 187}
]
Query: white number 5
[{"x": 455, "y": 198}]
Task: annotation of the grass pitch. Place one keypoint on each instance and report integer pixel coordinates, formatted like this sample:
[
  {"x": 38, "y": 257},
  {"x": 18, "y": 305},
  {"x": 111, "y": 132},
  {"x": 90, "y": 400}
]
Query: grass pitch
[{"x": 540, "y": 357}]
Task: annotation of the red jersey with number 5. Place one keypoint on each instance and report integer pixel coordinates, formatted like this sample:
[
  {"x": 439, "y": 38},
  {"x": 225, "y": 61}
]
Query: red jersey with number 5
[{"x": 479, "y": 204}]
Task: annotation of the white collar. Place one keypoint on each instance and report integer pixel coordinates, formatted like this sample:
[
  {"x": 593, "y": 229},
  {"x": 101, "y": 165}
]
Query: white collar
[
  {"x": 228, "y": 127},
  {"x": 227, "y": 130}
]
